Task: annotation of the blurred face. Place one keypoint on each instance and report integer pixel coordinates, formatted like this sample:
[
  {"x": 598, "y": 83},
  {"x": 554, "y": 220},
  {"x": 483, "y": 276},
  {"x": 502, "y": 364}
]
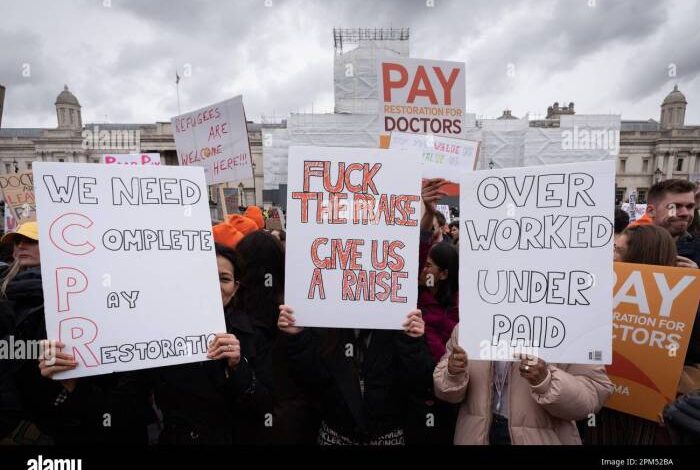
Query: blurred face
[
  {"x": 227, "y": 281},
  {"x": 27, "y": 252},
  {"x": 454, "y": 231},
  {"x": 437, "y": 230},
  {"x": 432, "y": 273},
  {"x": 674, "y": 212},
  {"x": 620, "y": 247}
]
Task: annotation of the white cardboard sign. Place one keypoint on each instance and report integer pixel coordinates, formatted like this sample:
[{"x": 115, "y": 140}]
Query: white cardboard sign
[
  {"x": 352, "y": 236},
  {"x": 138, "y": 159},
  {"x": 128, "y": 265},
  {"x": 535, "y": 261},
  {"x": 442, "y": 157},
  {"x": 216, "y": 138}
]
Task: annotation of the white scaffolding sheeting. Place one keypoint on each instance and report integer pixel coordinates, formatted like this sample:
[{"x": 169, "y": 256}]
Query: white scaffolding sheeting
[
  {"x": 275, "y": 150},
  {"x": 579, "y": 138},
  {"x": 334, "y": 130},
  {"x": 355, "y": 74}
]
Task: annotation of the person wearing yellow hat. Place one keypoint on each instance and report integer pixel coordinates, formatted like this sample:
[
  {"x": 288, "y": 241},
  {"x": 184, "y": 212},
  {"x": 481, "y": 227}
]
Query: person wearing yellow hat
[{"x": 26, "y": 251}]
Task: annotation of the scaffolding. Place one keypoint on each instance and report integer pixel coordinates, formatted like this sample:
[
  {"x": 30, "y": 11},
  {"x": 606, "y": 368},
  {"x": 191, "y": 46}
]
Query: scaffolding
[{"x": 343, "y": 36}]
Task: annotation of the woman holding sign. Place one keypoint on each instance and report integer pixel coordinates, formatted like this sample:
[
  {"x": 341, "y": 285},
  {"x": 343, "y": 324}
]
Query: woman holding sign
[
  {"x": 213, "y": 402},
  {"x": 642, "y": 244},
  {"x": 523, "y": 402},
  {"x": 362, "y": 376},
  {"x": 102, "y": 409}
]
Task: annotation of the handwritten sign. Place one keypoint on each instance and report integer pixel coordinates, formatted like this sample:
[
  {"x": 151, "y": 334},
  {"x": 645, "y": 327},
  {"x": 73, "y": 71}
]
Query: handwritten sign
[
  {"x": 131, "y": 159},
  {"x": 535, "y": 262},
  {"x": 421, "y": 96},
  {"x": 654, "y": 309},
  {"x": 216, "y": 138},
  {"x": 443, "y": 157},
  {"x": 128, "y": 265},
  {"x": 275, "y": 220},
  {"x": 18, "y": 193},
  {"x": 352, "y": 236}
]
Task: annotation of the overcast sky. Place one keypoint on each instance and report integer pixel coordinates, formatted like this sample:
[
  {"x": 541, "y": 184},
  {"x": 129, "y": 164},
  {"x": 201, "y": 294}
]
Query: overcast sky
[{"x": 119, "y": 56}]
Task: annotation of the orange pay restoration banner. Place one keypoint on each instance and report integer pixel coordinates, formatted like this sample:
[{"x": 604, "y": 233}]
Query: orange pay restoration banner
[{"x": 654, "y": 308}]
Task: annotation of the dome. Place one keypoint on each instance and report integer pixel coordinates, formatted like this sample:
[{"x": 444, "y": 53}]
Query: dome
[
  {"x": 66, "y": 97},
  {"x": 675, "y": 97}
]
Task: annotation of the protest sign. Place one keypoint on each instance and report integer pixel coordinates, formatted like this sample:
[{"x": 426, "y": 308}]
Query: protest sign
[
  {"x": 18, "y": 194},
  {"x": 635, "y": 211},
  {"x": 421, "y": 96},
  {"x": 444, "y": 209},
  {"x": 654, "y": 309},
  {"x": 131, "y": 159},
  {"x": 443, "y": 157},
  {"x": 128, "y": 265},
  {"x": 216, "y": 138},
  {"x": 352, "y": 236},
  {"x": 535, "y": 262},
  {"x": 275, "y": 219}
]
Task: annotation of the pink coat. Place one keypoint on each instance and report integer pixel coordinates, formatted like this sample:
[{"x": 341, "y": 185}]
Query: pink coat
[{"x": 544, "y": 414}]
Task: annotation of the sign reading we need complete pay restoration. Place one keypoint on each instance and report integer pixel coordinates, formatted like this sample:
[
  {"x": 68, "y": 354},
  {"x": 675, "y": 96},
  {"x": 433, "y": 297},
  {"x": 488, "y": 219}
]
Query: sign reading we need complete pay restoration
[{"x": 128, "y": 266}]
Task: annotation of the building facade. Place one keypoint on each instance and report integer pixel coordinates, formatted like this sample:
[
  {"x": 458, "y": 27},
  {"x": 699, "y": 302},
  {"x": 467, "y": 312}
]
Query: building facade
[
  {"x": 71, "y": 141},
  {"x": 649, "y": 150},
  {"x": 652, "y": 151}
]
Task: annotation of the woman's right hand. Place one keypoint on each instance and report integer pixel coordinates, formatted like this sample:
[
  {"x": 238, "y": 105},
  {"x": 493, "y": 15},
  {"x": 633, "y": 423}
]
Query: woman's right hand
[
  {"x": 457, "y": 361},
  {"x": 54, "y": 360},
  {"x": 286, "y": 321}
]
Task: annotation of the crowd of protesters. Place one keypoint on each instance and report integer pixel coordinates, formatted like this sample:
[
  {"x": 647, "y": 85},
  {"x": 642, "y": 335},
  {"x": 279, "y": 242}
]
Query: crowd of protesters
[{"x": 269, "y": 381}]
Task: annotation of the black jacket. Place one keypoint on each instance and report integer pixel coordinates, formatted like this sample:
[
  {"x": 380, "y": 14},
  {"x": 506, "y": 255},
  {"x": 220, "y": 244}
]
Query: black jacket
[
  {"x": 689, "y": 246},
  {"x": 108, "y": 408},
  {"x": 206, "y": 403},
  {"x": 394, "y": 366}
]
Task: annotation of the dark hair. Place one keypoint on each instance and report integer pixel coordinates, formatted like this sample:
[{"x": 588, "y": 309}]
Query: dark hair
[
  {"x": 674, "y": 186},
  {"x": 229, "y": 254},
  {"x": 440, "y": 219},
  {"x": 446, "y": 257},
  {"x": 622, "y": 220},
  {"x": 649, "y": 244},
  {"x": 283, "y": 235},
  {"x": 261, "y": 280},
  {"x": 454, "y": 223}
]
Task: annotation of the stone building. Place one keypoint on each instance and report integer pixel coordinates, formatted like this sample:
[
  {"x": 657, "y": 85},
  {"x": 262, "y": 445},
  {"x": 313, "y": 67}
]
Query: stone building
[
  {"x": 651, "y": 151},
  {"x": 71, "y": 141}
]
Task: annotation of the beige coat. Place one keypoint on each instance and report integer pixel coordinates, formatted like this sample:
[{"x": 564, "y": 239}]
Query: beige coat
[{"x": 544, "y": 414}]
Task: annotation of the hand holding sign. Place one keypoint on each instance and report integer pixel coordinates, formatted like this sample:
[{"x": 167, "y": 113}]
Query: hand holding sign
[
  {"x": 286, "y": 321},
  {"x": 225, "y": 346},
  {"x": 683, "y": 262},
  {"x": 457, "y": 362},
  {"x": 533, "y": 369},
  {"x": 414, "y": 326},
  {"x": 430, "y": 194},
  {"x": 58, "y": 362}
]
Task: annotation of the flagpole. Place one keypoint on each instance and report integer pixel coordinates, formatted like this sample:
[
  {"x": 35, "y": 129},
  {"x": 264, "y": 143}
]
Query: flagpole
[{"x": 177, "y": 88}]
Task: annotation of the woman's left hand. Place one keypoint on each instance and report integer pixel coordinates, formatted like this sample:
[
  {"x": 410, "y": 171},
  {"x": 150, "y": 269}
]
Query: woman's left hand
[
  {"x": 225, "y": 346},
  {"x": 532, "y": 368},
  {"x": 414, "y": 326}
]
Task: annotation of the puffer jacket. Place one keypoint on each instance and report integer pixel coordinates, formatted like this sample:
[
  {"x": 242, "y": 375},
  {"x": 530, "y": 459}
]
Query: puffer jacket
[{"x": 544, "y": 414}]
